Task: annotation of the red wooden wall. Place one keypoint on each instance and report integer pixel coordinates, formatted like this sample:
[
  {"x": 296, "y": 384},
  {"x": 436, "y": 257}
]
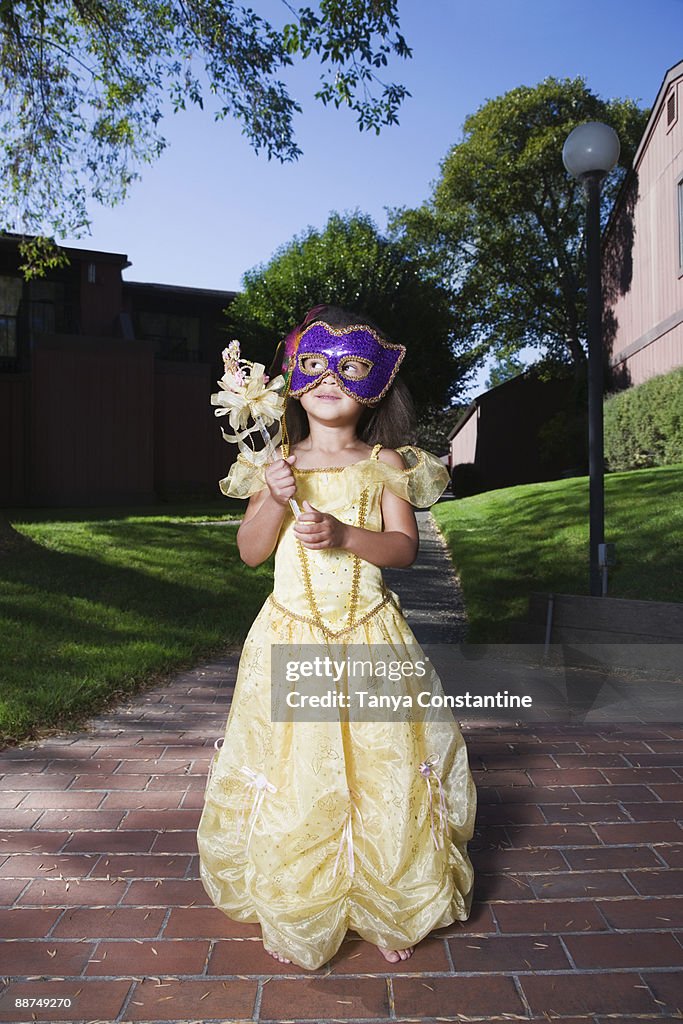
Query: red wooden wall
[
  {"x": 100, "y": 421},
  {"x": 92, "y": 410},
  {"x": 190, "y": 455},
  {"x": 643, "y": 274},
  {"x": 14, "y": 437}
]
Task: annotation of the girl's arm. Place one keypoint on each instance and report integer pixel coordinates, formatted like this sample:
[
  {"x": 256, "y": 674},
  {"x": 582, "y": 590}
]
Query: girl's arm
[
  {"x": 260, "y": 528},
  {"x": 395, "y": 546}
]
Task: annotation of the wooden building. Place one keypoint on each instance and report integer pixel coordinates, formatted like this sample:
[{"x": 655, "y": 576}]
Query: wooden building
[
  {"x": 498, "y": 441},
  {"x": 643, "y": 250},
  {"x": 105, "y": 385}
]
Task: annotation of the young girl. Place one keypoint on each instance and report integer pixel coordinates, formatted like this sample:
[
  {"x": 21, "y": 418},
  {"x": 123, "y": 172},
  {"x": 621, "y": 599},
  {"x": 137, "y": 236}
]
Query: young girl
[{"x": 314, "y": 827}]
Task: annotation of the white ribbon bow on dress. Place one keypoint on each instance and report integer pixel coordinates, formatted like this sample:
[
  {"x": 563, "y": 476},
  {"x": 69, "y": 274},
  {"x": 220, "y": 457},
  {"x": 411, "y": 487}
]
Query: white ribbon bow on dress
[
  {"x": 261, "y": 783},
  {"x": 427, "y": 771},
  {"x": 347, "y": 837}
]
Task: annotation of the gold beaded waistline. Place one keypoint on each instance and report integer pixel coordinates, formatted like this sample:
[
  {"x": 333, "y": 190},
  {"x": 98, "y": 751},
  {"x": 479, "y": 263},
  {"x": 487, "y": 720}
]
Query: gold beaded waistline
[{"x": 334, "y": 634}]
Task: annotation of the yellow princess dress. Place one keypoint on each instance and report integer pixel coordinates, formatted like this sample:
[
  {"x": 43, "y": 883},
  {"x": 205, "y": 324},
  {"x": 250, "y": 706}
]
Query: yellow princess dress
[{"x": 311, "y": 828}]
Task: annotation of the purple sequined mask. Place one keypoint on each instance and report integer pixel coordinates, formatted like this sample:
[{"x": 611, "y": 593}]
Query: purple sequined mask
[{"x": 375, "y": 361}]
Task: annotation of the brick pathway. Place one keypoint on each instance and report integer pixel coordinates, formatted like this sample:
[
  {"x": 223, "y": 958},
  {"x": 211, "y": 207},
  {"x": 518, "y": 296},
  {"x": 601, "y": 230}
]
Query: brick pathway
[{"x": 578, "y": 858}]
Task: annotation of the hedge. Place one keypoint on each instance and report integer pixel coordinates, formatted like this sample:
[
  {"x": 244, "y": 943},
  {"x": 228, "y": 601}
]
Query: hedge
[{"x": 643, "y": 425}]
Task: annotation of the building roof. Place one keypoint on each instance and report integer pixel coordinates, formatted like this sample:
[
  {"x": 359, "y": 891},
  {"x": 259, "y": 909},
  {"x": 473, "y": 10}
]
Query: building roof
[
  {"x": 527, "y": 372},
  {"x": 464, "y": 418},
  {"x": 10, "y": 240},
  {"x": 179, "y": 289},
  {"x": 671, "y": 75}
]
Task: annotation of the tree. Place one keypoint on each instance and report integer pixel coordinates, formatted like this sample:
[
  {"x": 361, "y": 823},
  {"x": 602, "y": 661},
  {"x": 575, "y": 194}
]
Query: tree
[
  {"x": 84, "y": 84},
  {"x": 504, "y": 369},
  {"x": 504, "y": 225},
  {"x": 350, "y": 264},
  {"x": 436, "y": 424}
]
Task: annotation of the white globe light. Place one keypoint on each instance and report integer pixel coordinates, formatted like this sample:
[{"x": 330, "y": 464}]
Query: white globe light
[{"x": 591, "y": 148}]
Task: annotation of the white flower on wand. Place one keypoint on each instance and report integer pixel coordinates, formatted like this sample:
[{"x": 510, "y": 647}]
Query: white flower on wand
[{"x": 247, "y": 392}]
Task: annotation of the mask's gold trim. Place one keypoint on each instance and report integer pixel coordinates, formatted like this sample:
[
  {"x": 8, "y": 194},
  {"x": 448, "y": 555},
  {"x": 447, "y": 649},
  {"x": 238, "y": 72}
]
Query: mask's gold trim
[
  {"x": 339, "y": 332},
  {"x": 367, "y": 363},
  {"x": 312, "y": 355}
]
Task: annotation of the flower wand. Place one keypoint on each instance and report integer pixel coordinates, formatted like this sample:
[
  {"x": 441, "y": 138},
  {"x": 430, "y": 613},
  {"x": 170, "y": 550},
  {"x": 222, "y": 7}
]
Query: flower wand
[{"x": 246, "y": 392}]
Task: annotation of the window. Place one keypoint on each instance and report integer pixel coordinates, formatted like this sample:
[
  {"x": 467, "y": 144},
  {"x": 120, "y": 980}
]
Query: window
[
  {"x": 46, "y": 306},
  {"x": 92, "y": 273},
  {"x": 671, "y": 108},
  {"x": 10, "y": 299},
  {"x": 177, "y": 336},
  {"x": 680, "y": 225}
]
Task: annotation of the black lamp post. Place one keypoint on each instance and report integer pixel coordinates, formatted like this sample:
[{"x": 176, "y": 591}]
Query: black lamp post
[{"x": 589, "y": 153}]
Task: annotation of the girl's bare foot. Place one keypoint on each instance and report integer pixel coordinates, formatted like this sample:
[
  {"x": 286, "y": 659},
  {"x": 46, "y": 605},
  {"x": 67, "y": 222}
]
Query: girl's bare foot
[
  {"x": 394, "y": 955},
  {"x": 277, "y": 956}
]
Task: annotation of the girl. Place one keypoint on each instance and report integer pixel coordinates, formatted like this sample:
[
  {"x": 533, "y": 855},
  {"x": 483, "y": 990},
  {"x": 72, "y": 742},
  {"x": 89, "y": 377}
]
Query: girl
[{"x": 314, "y": 827}]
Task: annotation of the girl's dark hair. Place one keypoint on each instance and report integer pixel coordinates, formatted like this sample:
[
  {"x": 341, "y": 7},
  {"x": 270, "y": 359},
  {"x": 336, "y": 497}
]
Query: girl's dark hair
[{"x": 391, "y": 423}]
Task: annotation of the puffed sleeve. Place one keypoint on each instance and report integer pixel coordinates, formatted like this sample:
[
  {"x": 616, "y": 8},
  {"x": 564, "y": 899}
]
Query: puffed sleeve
[
  {"x": 243, "y": 479},
  {"x": 421, "y": 482}
]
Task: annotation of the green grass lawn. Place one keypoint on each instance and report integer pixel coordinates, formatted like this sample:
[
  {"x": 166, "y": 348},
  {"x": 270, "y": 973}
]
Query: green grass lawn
[
  {"x": 509, "y": 542},
  {"x": 104, "y": 600}
]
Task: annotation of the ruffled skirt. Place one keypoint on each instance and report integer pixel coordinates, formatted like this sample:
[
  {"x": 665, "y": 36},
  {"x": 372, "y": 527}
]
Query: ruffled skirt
[{"x": 314, "y": 827}]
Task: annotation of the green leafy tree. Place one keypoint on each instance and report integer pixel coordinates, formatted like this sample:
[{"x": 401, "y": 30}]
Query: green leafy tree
[
  {"x": 84, "y": 84},
  {"x": 505, "y": 223},
  {"x": 436, "y": 424},
  {"x": 504, "y": 369},
  {"x": 350, "y": 264}
]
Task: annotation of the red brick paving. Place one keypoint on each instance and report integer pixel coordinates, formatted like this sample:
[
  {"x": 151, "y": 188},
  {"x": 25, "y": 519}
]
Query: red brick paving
[{"x": 578, "y": 912}]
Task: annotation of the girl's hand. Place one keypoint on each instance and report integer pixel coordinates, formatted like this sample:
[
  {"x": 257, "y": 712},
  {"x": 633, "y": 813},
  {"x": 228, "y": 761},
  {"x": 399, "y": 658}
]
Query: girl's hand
[
  {"x": 280, "y": 480},
  {"x": 317, "y": 529}
]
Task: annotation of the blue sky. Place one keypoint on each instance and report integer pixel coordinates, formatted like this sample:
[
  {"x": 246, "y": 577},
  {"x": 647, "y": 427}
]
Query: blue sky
[{"x": 210, "y": 208}]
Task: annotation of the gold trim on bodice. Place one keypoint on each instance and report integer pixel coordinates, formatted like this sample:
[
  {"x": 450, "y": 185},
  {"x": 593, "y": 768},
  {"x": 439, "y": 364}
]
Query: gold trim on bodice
[
  {"x": 355, "y": 580},
  {"x": 316, "y": 618},
  {"x": 330, "y": 634}
]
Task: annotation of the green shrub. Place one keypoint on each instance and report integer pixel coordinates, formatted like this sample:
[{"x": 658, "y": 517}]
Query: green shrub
[{"x": 644, "y": 425}]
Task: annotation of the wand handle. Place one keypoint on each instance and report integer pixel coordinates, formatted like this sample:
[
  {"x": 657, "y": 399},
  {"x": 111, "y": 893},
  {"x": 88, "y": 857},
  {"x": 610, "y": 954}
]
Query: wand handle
[{"x": 270, "y": 448}]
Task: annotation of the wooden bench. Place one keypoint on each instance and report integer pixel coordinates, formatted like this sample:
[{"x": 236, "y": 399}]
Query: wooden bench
[{"x": 624, "y": 633}]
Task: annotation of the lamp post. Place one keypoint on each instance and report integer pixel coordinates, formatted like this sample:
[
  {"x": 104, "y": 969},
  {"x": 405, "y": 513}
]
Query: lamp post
[{"x": 589, "y": 153}]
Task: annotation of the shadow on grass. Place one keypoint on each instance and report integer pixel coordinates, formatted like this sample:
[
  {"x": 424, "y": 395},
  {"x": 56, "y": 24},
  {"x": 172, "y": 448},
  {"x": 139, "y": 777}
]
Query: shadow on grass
[
  {"x": 228, "y": 508},
  {"x": 102, "y": 609},
  {"x": 510, "y": 542}
]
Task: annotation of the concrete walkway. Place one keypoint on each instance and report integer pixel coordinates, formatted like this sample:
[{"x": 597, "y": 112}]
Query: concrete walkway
[
  {"x": 578, "y": 856},
  {"x": 429, "y": 589}
]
